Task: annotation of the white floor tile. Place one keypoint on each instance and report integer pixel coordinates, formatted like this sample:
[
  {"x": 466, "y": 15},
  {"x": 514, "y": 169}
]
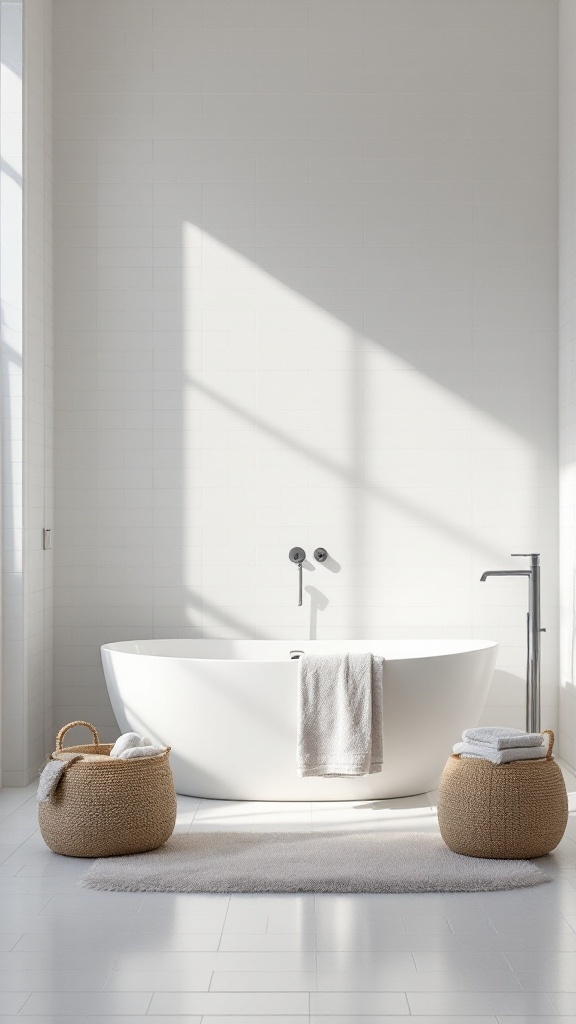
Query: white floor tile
[
  {"x": 182, "y": 912},
  {"x": 419, "y": 981},
  {"x": 138, "y": 1019},
  {"x": 268, "y": 941},
  {"x": 374, "y": 940},
  {"x": 58, "y": 959},
  {"x": 361, "y": 935},
  {"x": 528, "y": 941},
  {"x": 263, "y": 981},
  {"x": 7, "y": 850},
  {"x": 157, "y": 980},
  {"x": 545, "y": 959},
  {"x": 512, "y": 928},
  {"x": 426, "y": 924},
  {"x": 372, "y": 962},
  {"x": 564, "y": 1002},
  {"x": 79, "y": 1004},
  {"x": 527, "y": 1019},
  {"x": 234, "y": 1003},
  {"x": 571, "y": 921},
  {"x": 178, "y": 942},
  {"x": 469, "y": 924},
  {"x": 50, "y": 865},
  {"x": 360, "y": 1018},
  {"x": 451, "y": 961},
  {"x": 51, "y": 1018},
  {"x": 12, "y": 1002},
  {"x": 472, "y": 1003},
  {"x": 551, "y": 980},
  {"x": 220, "y": 961},
  {"x": 75, "y": 940},
  {"x": 245, "y": 923},
  {"x": 44, "y": 886},
  {"x": 250, "y": 1019},
  {"x": 16, "y": 904},
  {"x": 12, "y": 798},
  {"x": 274, "y": 914},
  {"x": 237, "y": 815},
  {"x": 67, "y": 979},
  {"x": 8, "y": 870},
  {"x": 359, "y": 1002},
  {"x": 72, "y": 926},
  {"x": 162, "y": 929}
]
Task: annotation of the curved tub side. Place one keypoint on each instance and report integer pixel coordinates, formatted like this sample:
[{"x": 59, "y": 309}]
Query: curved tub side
[{"x": 232, "y": 725}]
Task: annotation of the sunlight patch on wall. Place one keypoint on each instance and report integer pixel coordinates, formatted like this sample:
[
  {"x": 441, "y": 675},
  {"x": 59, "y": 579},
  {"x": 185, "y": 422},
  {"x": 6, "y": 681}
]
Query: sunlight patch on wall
[{"x": 295, "y": 425}]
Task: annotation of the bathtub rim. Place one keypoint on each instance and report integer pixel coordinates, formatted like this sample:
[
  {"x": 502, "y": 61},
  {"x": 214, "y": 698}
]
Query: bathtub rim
[{"x": 127, "y": 647}]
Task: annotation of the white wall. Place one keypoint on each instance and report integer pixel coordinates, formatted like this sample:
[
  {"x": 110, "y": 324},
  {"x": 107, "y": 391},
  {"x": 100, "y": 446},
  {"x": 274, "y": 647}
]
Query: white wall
[
  {"x": 306, "y": 294},
  {"x": 13, "y": 706},
  {"x": 567, "y": 336},
  {"x": 39, "y": 368},
  {"x": 27, "y": 485}
]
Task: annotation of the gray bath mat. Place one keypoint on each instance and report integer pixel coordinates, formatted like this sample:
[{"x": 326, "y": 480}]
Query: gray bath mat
[{"x": 308, "y": 862}]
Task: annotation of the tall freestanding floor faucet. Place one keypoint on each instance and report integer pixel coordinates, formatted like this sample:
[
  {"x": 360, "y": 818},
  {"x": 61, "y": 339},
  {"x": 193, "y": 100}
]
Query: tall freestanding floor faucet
[{"x": 534, "y": 630}]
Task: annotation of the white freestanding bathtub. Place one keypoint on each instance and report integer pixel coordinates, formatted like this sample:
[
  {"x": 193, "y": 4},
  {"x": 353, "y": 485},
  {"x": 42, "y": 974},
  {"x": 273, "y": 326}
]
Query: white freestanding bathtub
[{"x": 228, "y": 710}]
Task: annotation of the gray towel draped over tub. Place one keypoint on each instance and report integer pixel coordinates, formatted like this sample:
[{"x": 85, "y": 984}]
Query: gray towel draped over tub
[{"x": 339, "y": 714}]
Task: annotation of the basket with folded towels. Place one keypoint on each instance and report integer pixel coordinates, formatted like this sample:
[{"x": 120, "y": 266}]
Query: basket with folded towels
[
  {"x": 502, "y": 795},
  {"x": 105, "y": 799}
]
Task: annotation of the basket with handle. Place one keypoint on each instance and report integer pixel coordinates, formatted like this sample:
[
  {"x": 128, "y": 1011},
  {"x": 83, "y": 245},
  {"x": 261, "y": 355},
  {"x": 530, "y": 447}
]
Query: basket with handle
[
  {"x": 105, "y": 806},
  {"x": 515, "y": 810}
]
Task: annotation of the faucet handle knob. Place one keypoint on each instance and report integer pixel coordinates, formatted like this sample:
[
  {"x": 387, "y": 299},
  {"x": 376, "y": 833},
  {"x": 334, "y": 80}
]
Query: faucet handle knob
[
  {"x": 528, "y": 554},
  {"x": 297, "y": 555},
  {"x": 320, "y": 554}
]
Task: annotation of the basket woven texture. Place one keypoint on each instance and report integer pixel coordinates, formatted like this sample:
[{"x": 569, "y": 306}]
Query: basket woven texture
[
  {"x": 105, "y": 806},
  {"x": 510, "y": 811}
]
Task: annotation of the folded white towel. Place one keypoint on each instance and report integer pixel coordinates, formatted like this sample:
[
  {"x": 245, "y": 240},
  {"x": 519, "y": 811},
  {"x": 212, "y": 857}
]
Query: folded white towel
[
  {"x": 131, "y": 741},
  {"x": 339, "y": 715},
  {"x": 148, "y": 751},
  {"x": 124, "y": 742},
  {"x": 488, "y": 753},
  {"x": 502, "y": 737}
]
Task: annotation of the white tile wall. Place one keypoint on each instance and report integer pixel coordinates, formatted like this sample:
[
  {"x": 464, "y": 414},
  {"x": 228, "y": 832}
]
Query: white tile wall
[
  {"x": 305, "y": 294},
  {"x": 27, "y": 389},
  {"x": 567, "y": 336}
]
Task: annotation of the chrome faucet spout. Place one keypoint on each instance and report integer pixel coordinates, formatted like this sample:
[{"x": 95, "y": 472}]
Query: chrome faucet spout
[{"x": 505, "y": 572}]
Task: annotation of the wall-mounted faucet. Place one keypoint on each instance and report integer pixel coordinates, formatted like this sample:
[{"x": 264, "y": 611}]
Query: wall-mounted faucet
[
  {"x": 297, "y": 555},
  {"x": 534, "y": 629}
]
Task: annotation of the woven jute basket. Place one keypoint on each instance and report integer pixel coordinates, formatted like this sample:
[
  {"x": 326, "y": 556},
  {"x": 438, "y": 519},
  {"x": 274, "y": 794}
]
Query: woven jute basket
[
  {"x": 508, "y": 811},
  {"x": 105, "y": 806}
]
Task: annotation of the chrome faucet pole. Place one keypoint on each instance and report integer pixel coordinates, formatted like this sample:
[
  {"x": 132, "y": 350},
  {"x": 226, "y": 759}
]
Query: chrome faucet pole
[{"x": 534, "y": 629}]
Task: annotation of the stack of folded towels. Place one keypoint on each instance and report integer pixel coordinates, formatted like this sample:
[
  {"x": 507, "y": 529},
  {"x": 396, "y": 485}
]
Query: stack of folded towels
[
  {"x": 132, "y": 744},
  {"x": 500, "y": 744}
]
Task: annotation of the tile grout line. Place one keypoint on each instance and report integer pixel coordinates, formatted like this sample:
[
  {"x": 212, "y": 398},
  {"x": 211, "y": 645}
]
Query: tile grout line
[{"x": 223, "y": 925}]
